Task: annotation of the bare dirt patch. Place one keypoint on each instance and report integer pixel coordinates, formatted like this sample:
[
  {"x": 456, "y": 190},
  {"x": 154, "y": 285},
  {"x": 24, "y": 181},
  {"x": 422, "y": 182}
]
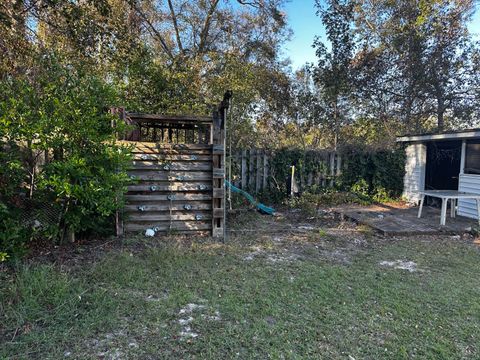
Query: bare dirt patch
[
  {"x": 410, "y": 266},
  {"x": 292, "y": 237}
]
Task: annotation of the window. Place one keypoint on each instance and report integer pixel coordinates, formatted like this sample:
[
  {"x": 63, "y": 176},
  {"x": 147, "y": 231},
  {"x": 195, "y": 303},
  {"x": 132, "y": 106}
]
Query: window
[{"x": 472, "y": 157}]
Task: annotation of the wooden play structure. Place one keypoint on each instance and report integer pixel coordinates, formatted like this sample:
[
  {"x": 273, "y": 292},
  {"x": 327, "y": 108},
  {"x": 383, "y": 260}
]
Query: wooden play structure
[{"x": 178, "y": 173}]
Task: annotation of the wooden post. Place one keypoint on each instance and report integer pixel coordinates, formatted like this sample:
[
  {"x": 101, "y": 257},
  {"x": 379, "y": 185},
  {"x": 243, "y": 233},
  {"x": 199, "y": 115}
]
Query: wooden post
[
  {"x": 244, "y": 169},
  {"x": 120, "y": 112},
  {"x": 292, "y": 180},
  {"x": 258, "y": 177},
  {"x": 218, "y": 165},
  {"x": 339, "y": 165},
  {"x": 332, "y": 168},
  {"x": 251, "y": 170},
  {"x": 265, "y": 170}
]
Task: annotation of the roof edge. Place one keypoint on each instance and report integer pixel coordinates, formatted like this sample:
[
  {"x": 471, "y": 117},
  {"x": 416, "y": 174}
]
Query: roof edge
[{"x": 467, "y": 134}]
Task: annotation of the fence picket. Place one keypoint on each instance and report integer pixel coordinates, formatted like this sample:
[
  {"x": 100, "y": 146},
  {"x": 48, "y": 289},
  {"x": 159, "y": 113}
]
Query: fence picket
[
  {"x": 253, "y": 170},
  {"x": 243, "y": 171}
]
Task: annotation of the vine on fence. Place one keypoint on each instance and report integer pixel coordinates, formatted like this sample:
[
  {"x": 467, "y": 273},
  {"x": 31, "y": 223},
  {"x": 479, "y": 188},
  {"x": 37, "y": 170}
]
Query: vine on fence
[
  {"x": 374, "y": 174},
  {"x": 370, "y": 175}
]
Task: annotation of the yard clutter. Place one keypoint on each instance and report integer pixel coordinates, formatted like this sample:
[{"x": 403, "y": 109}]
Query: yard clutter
[{"x": 149, "y": 232}]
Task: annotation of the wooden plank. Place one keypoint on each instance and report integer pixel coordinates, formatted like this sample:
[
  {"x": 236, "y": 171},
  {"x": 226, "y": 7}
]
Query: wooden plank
[
  {"x": 146, "y": 175},
  {"x": 218, "y": 174},
  {"x": 218, "y": 193},
  {"x": 171, "y": 166},
  {"x": 171, "y": 157},
  {"x": 158, "y": 197},
  {"x": 167, "y": 206},
  {"x": 152, "y": 217},
  {"x": 142, "y": 117},
  {"x": 258, "y": 177},
  {"x": 265, "y": 170},
  {"x": 218, "y": 150},
  {"x": 162, "y": 187},
  {"x": 339, "y": 165},
  {"x": 218, "y": 213},
  {"x": 244, "y": 170},
  {"x": 170, "y": 151},
  {"x": 163, "y": 146},
  {"x": 251, "y": 169},
  {"x": 332, "y": 168},
  {"x": 169, "y": 226},
  {"x": 217, "y": 232}
]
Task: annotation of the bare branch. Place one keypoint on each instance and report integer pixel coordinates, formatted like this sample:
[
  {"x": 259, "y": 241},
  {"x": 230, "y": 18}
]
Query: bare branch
[
  {"x": 157, "y": 34},
  {"x": 175, "y": 25},
  {"x": 206, "y": 26}
]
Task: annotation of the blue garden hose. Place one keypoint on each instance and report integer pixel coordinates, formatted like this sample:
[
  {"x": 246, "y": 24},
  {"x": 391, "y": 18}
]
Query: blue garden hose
[{"x": 260, "y": 207}]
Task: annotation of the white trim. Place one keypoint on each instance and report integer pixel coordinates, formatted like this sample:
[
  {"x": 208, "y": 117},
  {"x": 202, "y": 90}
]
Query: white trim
[
  {"x": 423, "y": 168},
  {"x": 451, "y": 136},
  {"x": 462, "y": 159}
]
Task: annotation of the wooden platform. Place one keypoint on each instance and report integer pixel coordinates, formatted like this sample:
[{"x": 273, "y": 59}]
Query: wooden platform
[{"x": 393, "y": 220}]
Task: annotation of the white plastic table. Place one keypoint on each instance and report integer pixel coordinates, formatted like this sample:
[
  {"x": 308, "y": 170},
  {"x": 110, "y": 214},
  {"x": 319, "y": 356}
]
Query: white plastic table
[{"x": 446, "y": 195}]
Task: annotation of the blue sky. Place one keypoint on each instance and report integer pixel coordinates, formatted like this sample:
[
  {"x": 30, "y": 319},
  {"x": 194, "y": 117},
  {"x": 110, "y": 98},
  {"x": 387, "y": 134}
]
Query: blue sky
[{"x": 305, "y": 25}]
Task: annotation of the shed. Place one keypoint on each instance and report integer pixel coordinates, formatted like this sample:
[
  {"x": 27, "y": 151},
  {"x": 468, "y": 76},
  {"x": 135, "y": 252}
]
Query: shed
[{"x": 443, "y": 161}]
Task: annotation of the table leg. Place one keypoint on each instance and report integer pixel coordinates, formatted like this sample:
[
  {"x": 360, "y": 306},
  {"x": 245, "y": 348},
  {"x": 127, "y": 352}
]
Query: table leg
[
  {"x": 478, "y": 210},
  {"x": 421, "y": 206},
  {"x": 443, "y": 215},
  {"x": 453, "y": 205}
]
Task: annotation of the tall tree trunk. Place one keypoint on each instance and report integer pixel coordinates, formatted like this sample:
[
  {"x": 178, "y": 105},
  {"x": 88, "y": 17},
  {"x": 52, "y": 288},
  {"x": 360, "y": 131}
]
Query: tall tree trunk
[
  {"x": 440, "y": 111},
  {"x": 335, "y": 124}
]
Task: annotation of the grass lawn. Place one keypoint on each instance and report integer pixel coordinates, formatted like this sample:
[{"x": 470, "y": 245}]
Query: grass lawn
[{"x": 286, "y": 290}]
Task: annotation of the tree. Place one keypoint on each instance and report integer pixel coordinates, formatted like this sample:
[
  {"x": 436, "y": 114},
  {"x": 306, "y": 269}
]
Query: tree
[
  {"x": 420, "y": 56},
  {"x": 332, "y": 74}
]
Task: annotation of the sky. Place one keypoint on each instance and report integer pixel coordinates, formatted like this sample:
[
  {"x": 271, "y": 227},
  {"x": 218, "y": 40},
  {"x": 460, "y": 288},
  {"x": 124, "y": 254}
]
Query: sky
[{"x": 306, "y": 25}]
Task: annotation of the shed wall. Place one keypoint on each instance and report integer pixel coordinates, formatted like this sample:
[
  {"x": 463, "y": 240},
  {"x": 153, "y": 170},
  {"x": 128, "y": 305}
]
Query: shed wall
[
  {"x": 414, "y": 179},
  {"x": 471, "y": 184}
]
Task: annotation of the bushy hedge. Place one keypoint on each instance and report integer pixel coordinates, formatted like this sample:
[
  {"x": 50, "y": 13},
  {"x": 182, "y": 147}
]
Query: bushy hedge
[
  {"x": 375, "y": 174},
  {"x": 305, "y": 162},
  {"x": 58, "y": 114},
  {"x": 370, "y": 174}
]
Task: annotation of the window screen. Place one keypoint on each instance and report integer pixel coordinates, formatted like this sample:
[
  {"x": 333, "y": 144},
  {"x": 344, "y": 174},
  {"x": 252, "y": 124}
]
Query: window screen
[{"x": 472, "y": 157}]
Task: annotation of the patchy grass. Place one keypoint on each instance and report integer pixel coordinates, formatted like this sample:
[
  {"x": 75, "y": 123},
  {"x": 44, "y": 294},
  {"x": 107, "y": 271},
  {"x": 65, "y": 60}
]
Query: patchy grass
[{"x": 319, "y": 293}]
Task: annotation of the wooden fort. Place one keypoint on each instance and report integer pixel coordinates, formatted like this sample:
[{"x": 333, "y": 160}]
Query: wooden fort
[{"x": 177, "y": 173}]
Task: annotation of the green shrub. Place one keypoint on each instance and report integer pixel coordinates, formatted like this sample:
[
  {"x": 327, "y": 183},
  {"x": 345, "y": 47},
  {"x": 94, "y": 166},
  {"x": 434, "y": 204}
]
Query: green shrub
[
  {"x": 59, "y": 114},
  {"x": 309, "y": 202},
  {"x": 374, "y": 174},
  {"x": 13, "y": 236},
  {"x": 370, "y": 175}
]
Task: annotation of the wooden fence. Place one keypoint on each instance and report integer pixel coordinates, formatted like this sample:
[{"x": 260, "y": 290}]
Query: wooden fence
[{"x": 252, "y": 170}]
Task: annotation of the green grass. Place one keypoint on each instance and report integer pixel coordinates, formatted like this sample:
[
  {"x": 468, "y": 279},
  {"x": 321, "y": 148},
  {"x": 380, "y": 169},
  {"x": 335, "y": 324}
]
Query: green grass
[{"x": 127, "y": 303}]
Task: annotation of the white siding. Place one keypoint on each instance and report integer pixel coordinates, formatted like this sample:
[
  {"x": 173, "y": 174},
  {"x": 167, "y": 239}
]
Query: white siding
[
  {"x": 414, "y": 180},
  {"x": 471, "y": 184}
]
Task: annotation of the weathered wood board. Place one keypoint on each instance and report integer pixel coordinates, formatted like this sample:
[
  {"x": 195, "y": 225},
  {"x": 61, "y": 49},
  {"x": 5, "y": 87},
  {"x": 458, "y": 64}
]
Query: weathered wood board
[{"x": 177, "y": 173}]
